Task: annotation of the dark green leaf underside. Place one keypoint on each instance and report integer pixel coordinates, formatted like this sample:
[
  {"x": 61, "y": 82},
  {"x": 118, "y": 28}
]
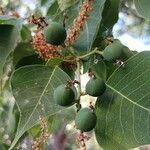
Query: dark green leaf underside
[{"x": 8, "y": 39}]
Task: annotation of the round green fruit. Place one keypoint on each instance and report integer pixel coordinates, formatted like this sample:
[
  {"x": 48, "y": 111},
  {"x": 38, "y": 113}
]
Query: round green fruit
[
  {"x": 64, "y": 96},
  {"x": 95, "y": 86},
  {"x": 55, "y": 33},
  {"x": 113, "y": 51},
  {"x": 85, "y": 120}
]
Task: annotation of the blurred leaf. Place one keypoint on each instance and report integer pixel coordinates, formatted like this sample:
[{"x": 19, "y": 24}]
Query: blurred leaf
[
  {"x": 43, "y": 2},
  {"x": 33, "y": 88},
  {"x": 8, "y": 40},
  {"x": 53, "y": 8},
  {"x": 64, "y": 4},
  {"x": 10, "y": 20},
  {"x": 25, "y": 34},
  {"x": 62, "y": 119},
  {"x": 123, "y": 110},
  {"x": 29, "y": 60},
  {"x": 143, "y": 8},
  {"x": 7, "y": 116},
  {"x": 24, "y": 54},
  {"x": 54, "y": 62}
]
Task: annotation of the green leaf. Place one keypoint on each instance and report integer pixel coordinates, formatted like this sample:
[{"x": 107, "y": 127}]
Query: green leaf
[
  {"x": 54, "y": 61},
  {"x": 64, "y": 4},
  {"x": 109, "y": 18},
  {"x": 25, "y": 34},
  {"x": 85, "y": 41},
  {"x": 68, "y": 70},
  {"x": 110, "y": 13},
  {"x": 8, "y": 39},
  {"x": 29, "y": 60},
  {"x": 22, "y": 50},
  {"x": 143, "y": 7},
  {"x": 110, "y": 67},
  {"x": 96, "y": 65},
  {"x": 89, "y": 62},
  {"x": 17, "y": 22},
  {"x": 99, "y": 69},
  {"x": 43, "y": 2},
  {"x": 53, "y": 8},
  {"x": 123, "y": 112},
  {"x": 33, "y": 88}
]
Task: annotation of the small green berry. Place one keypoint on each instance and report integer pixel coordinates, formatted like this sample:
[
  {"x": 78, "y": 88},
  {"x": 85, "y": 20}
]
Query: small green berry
[
  {"x": 95, "y": 86},
  {"x": 55, "y": 34},
  {"x": 85, "y": 120},
  {"x": 64, "y": 96}
]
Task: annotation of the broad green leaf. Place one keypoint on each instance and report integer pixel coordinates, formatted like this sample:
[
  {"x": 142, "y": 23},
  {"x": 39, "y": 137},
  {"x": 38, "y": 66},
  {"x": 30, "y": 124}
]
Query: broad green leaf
[
  {"x": 85, "y": 41},
  {"x": 17, "y": 22},
  {"x": 109, "y": 18},
  {"x": 123, "y": 112},
  {"x": 8, "y": 39},
  {"x": 64, "y": 4},
  {"x": 33, "y": 88},
  {"x": 143, "y": 7}
]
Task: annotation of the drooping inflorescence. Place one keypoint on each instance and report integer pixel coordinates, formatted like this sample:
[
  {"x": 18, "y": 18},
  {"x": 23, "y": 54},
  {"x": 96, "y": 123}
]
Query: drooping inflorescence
[
  {"x": 79, "y": 22},
  {"x": 47, "y": 50},
  {"x": 43, "y": 135}
]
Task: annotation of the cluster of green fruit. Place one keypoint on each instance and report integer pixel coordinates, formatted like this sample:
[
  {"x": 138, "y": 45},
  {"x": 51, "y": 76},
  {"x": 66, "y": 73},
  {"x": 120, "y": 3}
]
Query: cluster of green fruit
[
  {"x": 65, "y": 96},
  {"x": 55, "y": 33}
]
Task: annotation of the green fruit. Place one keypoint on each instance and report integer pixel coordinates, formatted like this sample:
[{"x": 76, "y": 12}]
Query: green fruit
[
  {"x": 113, "y": 51},
  {"x": 55, "y": 34},
  {"x": 64, "y": 96},
  {"x": 95, "y": 87},
  {"x": 85, "y": 120},
  {"x": 127, "y": 53}
]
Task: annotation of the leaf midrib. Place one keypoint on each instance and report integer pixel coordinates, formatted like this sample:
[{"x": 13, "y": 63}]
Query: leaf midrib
[
  {"x": 40, "y": 97},
  {"x": 138, "y": 105}
]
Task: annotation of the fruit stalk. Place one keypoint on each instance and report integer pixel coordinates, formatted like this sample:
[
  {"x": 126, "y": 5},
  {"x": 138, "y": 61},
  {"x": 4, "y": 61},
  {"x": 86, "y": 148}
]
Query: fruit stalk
[
  {"x": 79, "y": 80},
  {"x": 95, "y": 51}
]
